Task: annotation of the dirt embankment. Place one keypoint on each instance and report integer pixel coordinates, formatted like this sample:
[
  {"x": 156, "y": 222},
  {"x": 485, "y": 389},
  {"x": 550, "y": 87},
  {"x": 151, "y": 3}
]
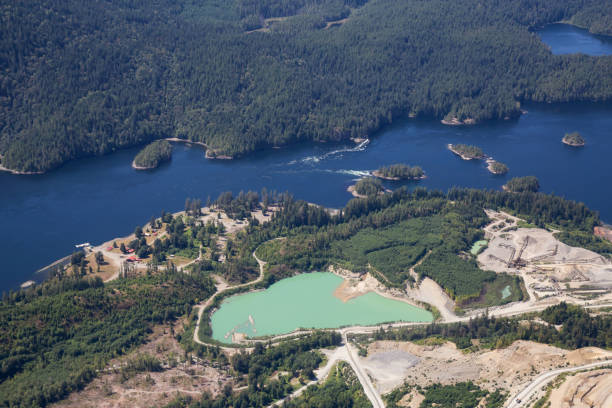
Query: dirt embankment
[
  {"x": 584, "y": 390},
  {"x": 355, "y": 285},
  {"x": 351, "y": 288},
  {"x": 603, "y": 232},
  {"x": 509, "y": 368}
]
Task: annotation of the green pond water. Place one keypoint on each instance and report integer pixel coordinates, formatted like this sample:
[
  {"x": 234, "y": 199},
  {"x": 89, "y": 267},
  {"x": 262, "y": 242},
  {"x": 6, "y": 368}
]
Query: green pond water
[
  {"x": 306, "y": 301},
  {"x": 477, "y": 247},
  {"x": 506, "y": 292}
]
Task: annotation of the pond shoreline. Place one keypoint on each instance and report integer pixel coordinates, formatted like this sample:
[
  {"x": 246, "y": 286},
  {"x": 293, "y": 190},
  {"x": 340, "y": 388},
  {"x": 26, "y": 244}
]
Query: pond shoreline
[{"x": 308, "y": 301}]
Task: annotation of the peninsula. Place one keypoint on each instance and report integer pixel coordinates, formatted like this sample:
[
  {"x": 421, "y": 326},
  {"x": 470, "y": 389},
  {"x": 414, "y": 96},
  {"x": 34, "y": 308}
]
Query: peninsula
[
  {"x": 367, "y": 186},
  {"x": 153, "y": 155},
  {"x": 522, "y": 184}
]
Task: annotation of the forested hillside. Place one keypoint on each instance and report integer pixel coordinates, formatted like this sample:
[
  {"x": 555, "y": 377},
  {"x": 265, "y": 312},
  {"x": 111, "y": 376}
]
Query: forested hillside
[{"x": 80, "y": 79}]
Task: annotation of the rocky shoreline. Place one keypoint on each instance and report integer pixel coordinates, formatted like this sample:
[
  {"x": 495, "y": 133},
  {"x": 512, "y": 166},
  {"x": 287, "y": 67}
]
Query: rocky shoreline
[
  {"x": 451, "y": 147},
  {"x": 377, "y": 174},
  {"x": 457, "y": 122},
  {"x": 20, "y": 173}
]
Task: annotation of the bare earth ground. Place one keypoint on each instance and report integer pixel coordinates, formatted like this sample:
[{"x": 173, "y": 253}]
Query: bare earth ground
[
  {"x": 353, "y": 287},
  {"x": 391, "y": 363},
  {"x": 411, "y": 400},
  {"x": 584, "y": 390},
  {"x": 549, "y": 267},
  {"x": 150, "y": 389},
  {"x": 428, "y": 291}
]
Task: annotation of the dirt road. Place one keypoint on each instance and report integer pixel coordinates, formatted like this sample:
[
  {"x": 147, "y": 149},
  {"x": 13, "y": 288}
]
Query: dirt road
[{"x": 203, "y": 306}]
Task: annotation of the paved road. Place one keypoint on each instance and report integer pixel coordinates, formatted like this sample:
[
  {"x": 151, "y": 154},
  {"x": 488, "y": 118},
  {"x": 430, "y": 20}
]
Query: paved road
[
  {"x": 543, "y": 379},
  {"x": 367, "y": 385},
  {"x": 343, "y": 353}
]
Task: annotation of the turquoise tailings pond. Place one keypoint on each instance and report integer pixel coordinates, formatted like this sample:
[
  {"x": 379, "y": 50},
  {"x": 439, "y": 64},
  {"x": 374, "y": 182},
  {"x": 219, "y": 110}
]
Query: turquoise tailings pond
[{"x": 306, "y": 301}]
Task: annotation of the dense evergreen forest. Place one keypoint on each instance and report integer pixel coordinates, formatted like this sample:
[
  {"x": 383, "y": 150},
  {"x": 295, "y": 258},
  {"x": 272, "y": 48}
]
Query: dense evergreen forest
[
  {"x": 523, "y": 184},
  {"x": 153, "y": 154},
  {"x": 400, "y": 171},
  {"x": 368, "y": 186},
  {"x": 496, "y": 167},
  {"x": 467, "y": 152},
  {"x": 79, "y": 79}
]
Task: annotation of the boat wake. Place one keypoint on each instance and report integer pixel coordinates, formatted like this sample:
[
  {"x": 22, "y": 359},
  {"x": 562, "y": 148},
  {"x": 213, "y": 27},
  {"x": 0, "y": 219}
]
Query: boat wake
[
  {"x": 356, "y": 173},
  {"x": 316, "y": 159}
]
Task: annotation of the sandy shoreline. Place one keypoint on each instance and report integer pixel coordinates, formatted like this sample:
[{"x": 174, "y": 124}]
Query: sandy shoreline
[
  {"x": 355, "y": 285},
  {"x": 136, "y": 167},
  {"x": 20, "y": 173},
  {"x": 351, "y": 189},
  {"x": 210, "y": 153}
]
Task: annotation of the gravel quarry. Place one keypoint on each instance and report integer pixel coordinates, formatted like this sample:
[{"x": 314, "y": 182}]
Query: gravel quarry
[
  {"x": 549, "y": 267},
  {"x": 391, "y": 363}
]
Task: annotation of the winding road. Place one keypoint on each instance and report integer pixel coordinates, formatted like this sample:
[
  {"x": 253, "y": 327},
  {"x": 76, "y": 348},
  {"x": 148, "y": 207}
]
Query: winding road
[{"x": 201, "y": 307}]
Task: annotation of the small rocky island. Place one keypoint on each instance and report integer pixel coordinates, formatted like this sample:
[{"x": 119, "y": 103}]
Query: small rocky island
[
  {"x": 399, "y": 171},
  {"x": 153, "y": 155},
  {"x": 454, "y": 121},
  {"x": 522, "y": 184},
  {"x": 367, "y": 186},
  {"x": 467, "y": 152},
  {"x": 573, "y": 139},
  {"x": 497, "y": 168}
]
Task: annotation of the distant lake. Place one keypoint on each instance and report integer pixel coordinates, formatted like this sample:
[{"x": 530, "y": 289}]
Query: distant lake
[
  {"x": 568, "y": 39},
  {"x": 306, "y": 301},
  {"x": 97, "y": 199}
]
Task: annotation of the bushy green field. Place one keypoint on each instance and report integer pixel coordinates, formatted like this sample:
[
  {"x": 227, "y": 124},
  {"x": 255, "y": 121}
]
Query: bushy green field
[
  {"x": 459, "y": 395},
  {"x": 341, "y": 389},
  {"x": 54, "y": 337},
  {"x": 392, "y": 250}
]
